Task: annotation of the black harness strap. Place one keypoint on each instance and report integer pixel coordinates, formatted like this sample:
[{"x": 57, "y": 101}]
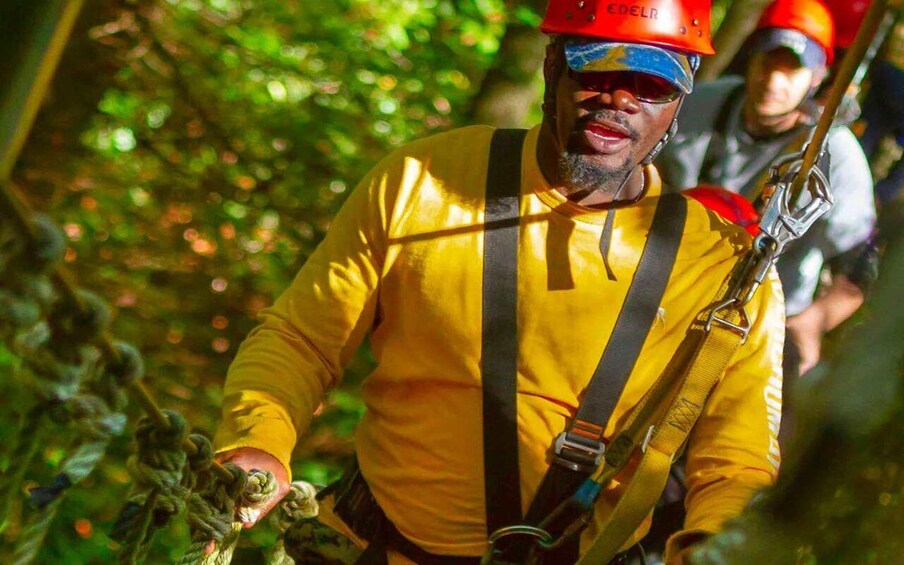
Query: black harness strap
[
  {"x": 499, "y": 344},
  {"x": 579, "y": 449}
]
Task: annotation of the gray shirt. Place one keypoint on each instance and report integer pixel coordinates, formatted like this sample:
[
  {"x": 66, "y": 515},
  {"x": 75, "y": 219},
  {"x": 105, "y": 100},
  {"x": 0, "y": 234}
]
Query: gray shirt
[{"x": 712, "y": 147}]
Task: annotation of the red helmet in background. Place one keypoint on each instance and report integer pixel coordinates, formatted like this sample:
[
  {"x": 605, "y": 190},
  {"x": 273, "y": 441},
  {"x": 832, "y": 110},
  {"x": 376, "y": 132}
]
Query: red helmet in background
[
  {"x": 809, "y": 17},
  {"x": 730, "y": 206},
  {"x": 848, "y": 15},
  {"x": 681, "y": 25}
]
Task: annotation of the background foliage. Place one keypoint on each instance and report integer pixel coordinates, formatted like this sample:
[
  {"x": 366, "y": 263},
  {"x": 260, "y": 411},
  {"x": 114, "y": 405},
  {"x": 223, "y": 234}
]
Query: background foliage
[{"x": 195, "y": 151}]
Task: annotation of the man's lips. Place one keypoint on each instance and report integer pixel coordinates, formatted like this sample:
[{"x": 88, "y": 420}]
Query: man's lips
[
  {"x": 603, "y": 137},
  {"x": 607, "y": 130}
]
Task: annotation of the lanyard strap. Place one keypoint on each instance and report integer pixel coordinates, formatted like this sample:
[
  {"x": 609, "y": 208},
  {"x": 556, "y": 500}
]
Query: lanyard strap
[{"x": 713, "y": 353}]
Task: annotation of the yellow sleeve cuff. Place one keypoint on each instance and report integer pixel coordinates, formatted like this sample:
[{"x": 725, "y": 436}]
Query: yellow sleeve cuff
[{"x": 254, "y": 421}]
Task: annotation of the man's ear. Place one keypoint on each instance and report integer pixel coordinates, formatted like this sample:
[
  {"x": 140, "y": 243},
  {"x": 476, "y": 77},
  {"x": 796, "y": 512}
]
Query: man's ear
[
  {"x": 549, "y": 63},
  {"x": 819, "y": 75}
]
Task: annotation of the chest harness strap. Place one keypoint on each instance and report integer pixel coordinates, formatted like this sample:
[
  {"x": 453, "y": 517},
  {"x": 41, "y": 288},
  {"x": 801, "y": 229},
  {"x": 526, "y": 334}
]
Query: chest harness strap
[{"x": 579, "y": 449}]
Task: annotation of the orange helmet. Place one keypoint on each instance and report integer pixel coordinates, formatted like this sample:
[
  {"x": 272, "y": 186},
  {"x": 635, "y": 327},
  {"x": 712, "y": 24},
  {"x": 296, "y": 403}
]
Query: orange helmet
[
  {"x": 728, "y": 205},
  {"x": 848, "y": 15},
  {"x": 681, "y": 25},
  {"x": 808, "y": 17}
]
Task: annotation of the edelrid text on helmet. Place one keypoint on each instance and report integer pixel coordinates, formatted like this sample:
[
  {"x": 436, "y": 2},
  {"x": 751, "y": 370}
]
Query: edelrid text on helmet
[{"x": 679, "y": 25}]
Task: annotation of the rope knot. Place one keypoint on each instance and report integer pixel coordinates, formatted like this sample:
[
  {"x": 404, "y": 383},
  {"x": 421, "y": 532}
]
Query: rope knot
[
  {"x": 81, "y": 321},
  {"x": 128, "y": 365},
  {"x": 46, "y": 246},
  {"x": 151, "y": 437},
  {"x": 203, "y": 459}
]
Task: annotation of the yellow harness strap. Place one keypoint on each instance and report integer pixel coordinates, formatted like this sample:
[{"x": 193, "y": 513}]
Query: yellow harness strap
[{"x": 703, "y": 372}]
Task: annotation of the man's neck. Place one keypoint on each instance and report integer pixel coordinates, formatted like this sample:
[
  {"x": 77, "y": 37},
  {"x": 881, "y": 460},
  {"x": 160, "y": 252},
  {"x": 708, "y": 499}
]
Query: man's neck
[
  {"x": 768, "y": 126},
  {"x": 548, "y": 157}
]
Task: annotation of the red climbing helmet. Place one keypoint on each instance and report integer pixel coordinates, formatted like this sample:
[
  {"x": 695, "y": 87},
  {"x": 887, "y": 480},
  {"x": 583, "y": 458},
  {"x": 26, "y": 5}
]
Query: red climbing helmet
[
  {"x": 729, "y": 205},
  {"x": 793, "y": 22},
  {"x": 664, "y": 38},
  {"x": 848, "y": 15},
  {"x": 681, "y": 25}
]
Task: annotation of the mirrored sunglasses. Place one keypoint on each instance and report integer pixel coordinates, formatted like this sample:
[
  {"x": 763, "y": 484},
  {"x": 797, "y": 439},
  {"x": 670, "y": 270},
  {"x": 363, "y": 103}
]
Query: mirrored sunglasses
[{"x": 643, "y": 86}]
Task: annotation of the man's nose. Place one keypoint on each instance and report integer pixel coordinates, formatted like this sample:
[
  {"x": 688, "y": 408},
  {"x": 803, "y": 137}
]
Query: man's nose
[
  {"x": 620, "y": 99},
  {"x": 775, "y": 78}
]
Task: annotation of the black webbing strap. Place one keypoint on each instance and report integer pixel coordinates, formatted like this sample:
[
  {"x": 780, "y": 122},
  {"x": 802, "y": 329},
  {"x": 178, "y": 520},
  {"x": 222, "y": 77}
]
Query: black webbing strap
[
  {"x": 499, "y": 344},
  {"x": 579, "y": 448}
]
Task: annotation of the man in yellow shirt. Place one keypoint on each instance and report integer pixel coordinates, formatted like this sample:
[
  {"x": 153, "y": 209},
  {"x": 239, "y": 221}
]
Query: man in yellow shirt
[{"x": 491, "y": 271}]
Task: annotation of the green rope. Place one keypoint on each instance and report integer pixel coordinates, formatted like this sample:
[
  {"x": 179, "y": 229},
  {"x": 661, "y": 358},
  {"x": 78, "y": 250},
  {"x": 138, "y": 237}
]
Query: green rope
[
  {"x": 95, "y": 426},
  {"x": 157, "y": 492},
  {"x": 299, "y": 503},
  {"x": 95, "y": 420},
  {"x": 212, "y": 513},
  {"x": 29, "y": 439},
  {"x": 34, "y": 531}
]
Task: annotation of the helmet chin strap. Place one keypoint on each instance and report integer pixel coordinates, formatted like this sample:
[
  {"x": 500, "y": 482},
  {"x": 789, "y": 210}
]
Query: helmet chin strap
[
  {"x": 694, "y": 61},
  {"x": 669, "y": 134}
]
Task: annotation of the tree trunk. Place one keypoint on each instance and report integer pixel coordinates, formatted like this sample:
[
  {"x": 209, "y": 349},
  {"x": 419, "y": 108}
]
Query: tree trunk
[
  {"x": 87, "y": 68},
  {"x": 508, "y": 90},
  {"x": 739, "y": 23}
]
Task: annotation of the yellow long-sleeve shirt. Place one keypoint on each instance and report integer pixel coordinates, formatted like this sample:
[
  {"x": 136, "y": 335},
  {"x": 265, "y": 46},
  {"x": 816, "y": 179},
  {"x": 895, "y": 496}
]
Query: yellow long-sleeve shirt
[{"x": 403, "y": 261}]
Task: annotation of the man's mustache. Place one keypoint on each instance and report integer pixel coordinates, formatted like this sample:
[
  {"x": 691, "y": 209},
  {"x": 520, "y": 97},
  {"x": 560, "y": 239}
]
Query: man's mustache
[{"x": 611, "y": 116}]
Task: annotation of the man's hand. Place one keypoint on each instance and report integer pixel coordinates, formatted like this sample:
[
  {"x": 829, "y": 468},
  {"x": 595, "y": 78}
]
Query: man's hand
[
  {"x": 833, "y": 306},
  {"x": 807, "y": 329},
  {"x": 248, "y": 458}
]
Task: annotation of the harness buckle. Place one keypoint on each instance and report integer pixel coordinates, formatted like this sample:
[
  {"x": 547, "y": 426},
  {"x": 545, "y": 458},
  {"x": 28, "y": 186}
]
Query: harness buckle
[
  {"x": 582, "y": 454},
  {"x": 743, "y": 327}
]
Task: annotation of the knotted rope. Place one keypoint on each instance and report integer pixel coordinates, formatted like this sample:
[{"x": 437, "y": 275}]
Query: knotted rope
[
  {"x": 212, "y": 514},
  {"x": 95, "y": 414},
  {"x": 299, "y": 504},
  {"x": 57, "y": 360},
  {"x": 157, "y": 492}
]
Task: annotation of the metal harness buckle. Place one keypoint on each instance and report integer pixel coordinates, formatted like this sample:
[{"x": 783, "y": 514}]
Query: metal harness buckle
[
  {"x": 743, "y": 328},
  {"x": 578, "y": 455}
]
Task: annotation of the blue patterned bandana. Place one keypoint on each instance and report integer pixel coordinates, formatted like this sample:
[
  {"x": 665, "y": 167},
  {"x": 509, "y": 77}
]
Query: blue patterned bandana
[{"x": 598, "y": 56}]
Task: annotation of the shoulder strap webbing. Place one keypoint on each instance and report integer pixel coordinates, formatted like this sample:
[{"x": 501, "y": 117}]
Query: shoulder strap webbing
[
  {"x": 703, "y": 372},
  {"x": 579, "y": 447},
  {"x": 499, "y": 344}
]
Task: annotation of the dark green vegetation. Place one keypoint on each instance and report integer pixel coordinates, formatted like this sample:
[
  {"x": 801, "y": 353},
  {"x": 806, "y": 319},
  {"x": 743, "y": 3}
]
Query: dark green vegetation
[{"x": 194, "y": 152}]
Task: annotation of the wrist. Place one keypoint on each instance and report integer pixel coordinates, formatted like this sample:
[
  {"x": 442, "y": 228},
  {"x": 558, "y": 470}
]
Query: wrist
[{"x": 813, "y": 318}]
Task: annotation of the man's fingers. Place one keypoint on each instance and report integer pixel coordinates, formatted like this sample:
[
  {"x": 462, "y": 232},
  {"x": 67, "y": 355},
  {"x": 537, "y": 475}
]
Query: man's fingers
[
  {"x": 251, "y": 515},
  {"x": 251, "y": 459}
]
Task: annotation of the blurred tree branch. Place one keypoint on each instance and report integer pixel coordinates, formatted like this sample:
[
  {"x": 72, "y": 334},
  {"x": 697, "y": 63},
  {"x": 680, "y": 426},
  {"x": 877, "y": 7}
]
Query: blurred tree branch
[
  {"x": 508, "y": 89},
  {"x": 739, "y": 23}
]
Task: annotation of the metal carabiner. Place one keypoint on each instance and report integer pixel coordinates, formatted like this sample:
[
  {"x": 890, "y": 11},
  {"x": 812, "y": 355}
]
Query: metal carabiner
[
  {"x": 490, "y": 557},
  {"x": 779, "y": 221}
]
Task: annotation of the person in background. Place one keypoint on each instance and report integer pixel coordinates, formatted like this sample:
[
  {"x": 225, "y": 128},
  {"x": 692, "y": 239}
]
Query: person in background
[
  {"x": 735, "y": 129},
  {"x": 883, "y": 112}
]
